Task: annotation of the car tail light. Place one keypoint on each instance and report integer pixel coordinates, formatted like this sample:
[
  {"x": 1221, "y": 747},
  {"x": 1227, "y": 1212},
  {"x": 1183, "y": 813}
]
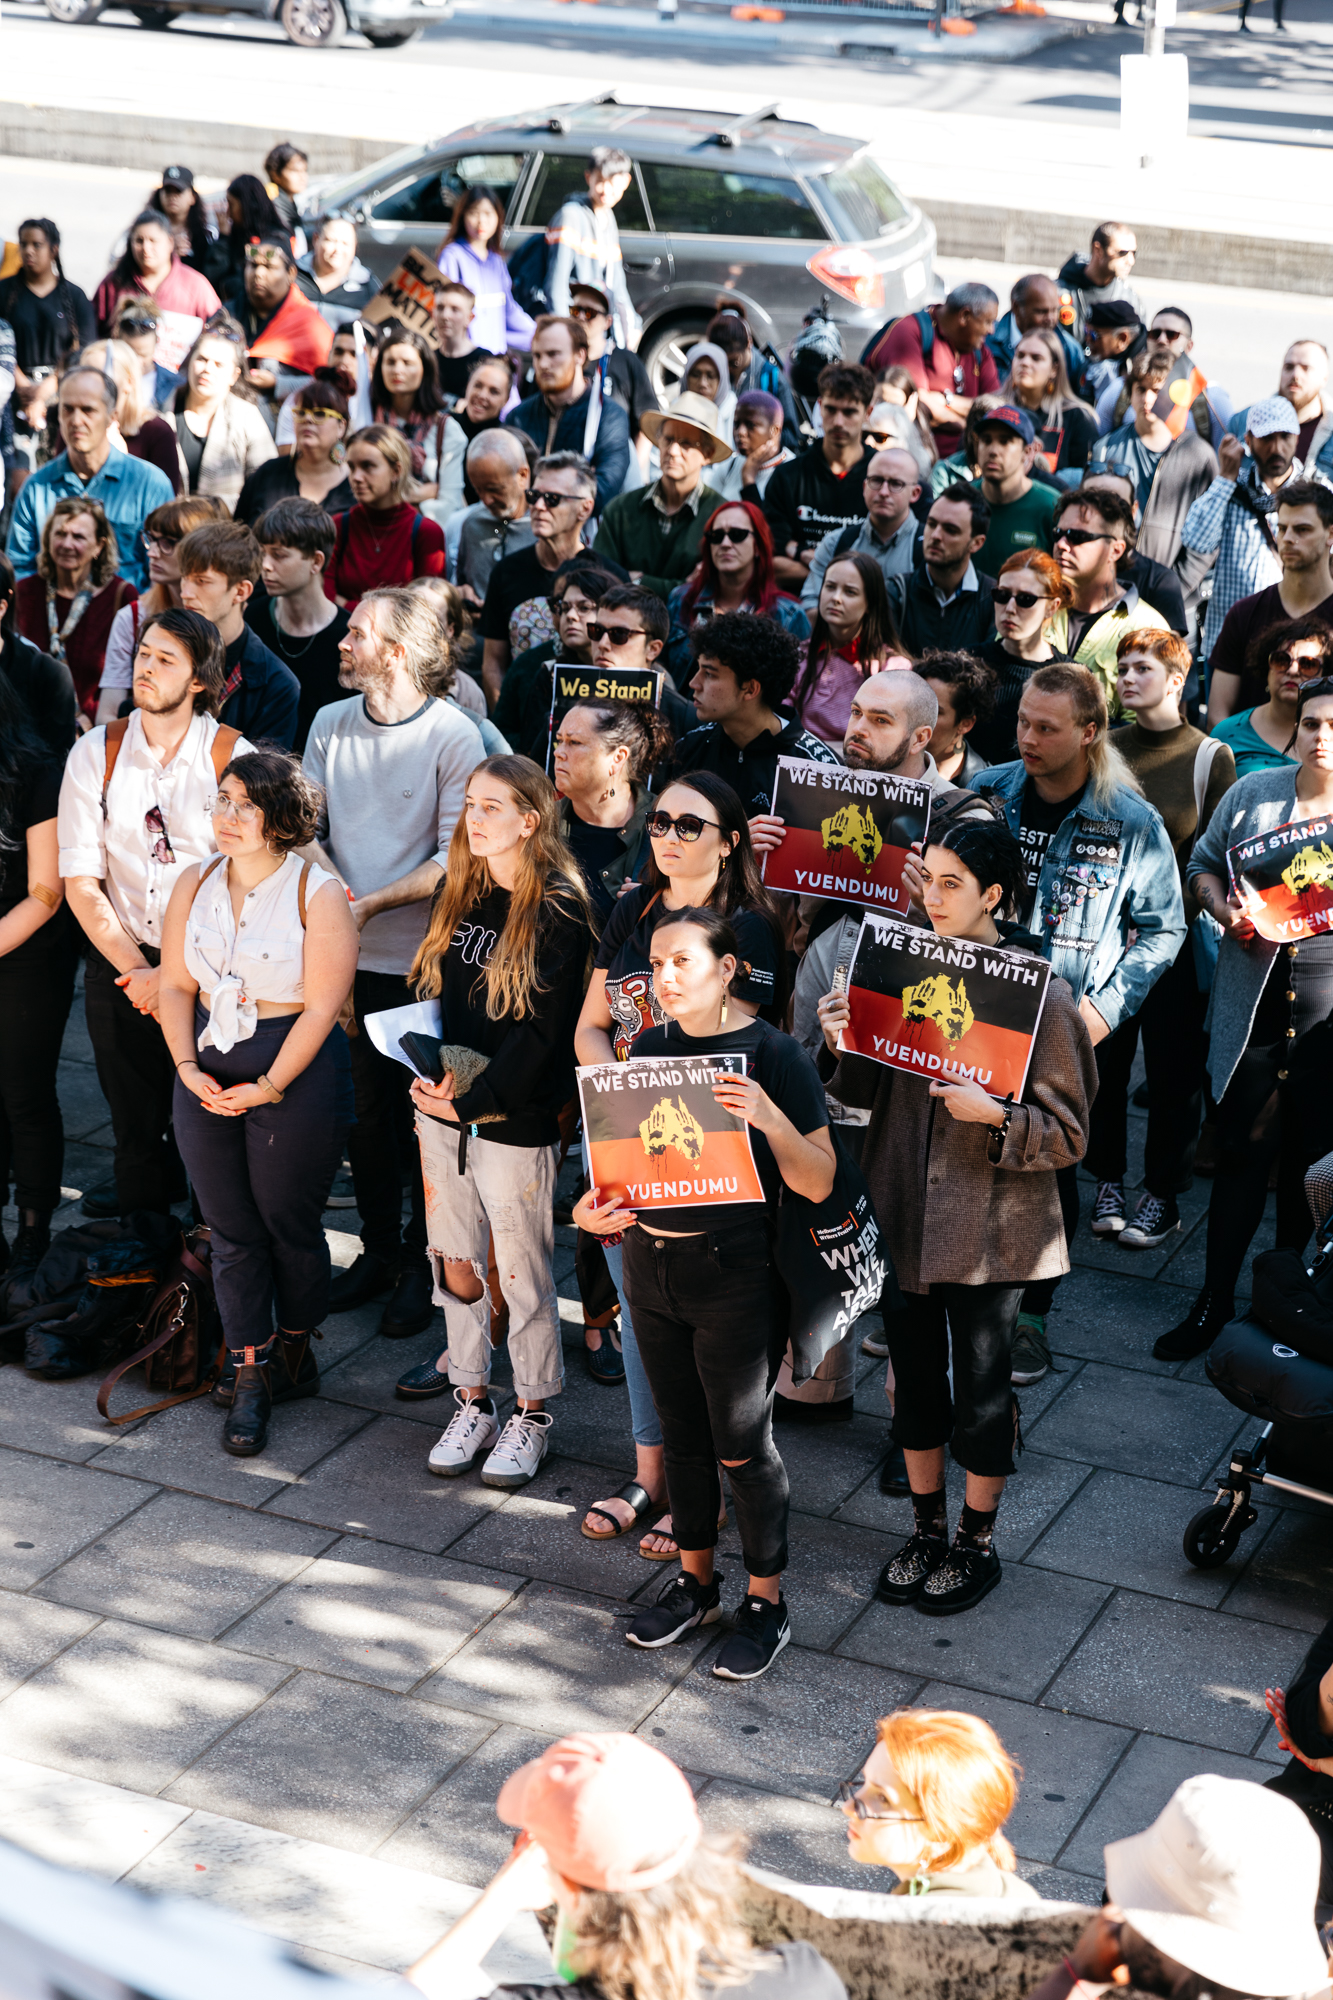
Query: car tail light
[{"x": 849, "y": 272}]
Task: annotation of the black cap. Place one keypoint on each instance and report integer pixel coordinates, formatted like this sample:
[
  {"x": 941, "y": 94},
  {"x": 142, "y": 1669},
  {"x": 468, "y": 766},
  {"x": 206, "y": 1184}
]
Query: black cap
[
  {"x": 177, "y": 177},
  {"x": 1115, "y": 312}
]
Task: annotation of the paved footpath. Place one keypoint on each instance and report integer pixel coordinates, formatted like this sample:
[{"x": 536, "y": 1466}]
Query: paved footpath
[{"x": 295, "y": 1683}]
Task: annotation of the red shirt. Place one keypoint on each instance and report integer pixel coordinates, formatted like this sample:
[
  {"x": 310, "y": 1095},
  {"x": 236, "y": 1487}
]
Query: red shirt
[
  {"x": 85, "y": 648},
  {"x": 373, "y": 551},
  {"x": 947, "y": 372},
  {"x": 183, "y": 290}
]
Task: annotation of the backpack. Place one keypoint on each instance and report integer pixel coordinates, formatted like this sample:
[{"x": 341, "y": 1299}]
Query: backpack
[
  {"x": 527, "y": 274},
  {"x": 927, "y": 329},
  {"x": 181, "y": 1332},
  {"x": 817, "y": 345},
  {"x": 224, "y": 746}
]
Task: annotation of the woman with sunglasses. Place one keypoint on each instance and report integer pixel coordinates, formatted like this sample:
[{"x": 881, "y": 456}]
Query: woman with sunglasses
[
  {"x": 1038, "y": 382},
  {"x": 405, "y": 394},
  {"x": 701, "y": 858},
  {"x": 220, "y": 434},
  {"x": 1270, "y": 1028},
  {"x": 470, "y": 254},
  {"x": 734, "y": 573},
  {"x": 853, "y": 636},
  {"x": 1027, "y": 595},
  {"x": 164, "y": 531},
  {"x": 317, "y": 469},
  {"x": 898, "y": 422},
  {"x": 263, "y": 1093},
  {"x": 1283, "y": 659},
  {"x": 383, "y": 539}
]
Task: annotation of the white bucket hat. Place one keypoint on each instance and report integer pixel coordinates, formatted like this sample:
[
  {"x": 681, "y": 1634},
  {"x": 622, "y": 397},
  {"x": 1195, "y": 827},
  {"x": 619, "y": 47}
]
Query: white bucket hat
[{"x": 1224, "y": 1882}]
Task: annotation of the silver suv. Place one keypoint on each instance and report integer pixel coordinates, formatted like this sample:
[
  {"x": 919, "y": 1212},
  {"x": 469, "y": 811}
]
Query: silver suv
[{"x": 762, "y": 209}]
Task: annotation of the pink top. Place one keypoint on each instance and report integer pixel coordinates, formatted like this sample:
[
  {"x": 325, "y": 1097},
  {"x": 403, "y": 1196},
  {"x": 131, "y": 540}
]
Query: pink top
[
  {"x": 181, "y": 291},
  {"x": 829, "y": 703}
]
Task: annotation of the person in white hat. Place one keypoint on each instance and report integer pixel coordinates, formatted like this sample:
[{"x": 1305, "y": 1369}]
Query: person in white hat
[
  {"x": 1230, "y": 520},
  {"x": 654, "y": 532}
]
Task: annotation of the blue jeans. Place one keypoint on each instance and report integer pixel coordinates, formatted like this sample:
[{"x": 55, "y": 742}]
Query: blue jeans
[{"x": 643, "y": 1411}]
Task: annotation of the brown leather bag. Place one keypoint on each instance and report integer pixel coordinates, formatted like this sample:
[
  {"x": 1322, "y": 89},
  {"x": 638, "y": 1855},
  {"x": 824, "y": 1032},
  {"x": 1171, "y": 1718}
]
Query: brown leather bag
[{"x": 181, "y": 1332}]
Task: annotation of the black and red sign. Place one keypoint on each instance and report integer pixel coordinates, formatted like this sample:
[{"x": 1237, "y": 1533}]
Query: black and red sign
[
  {"x": 944, "y": 1007},
  {"x": 848, "y": 833},
  {"x": 658, "y": 1137},
  {"x": 1285, "y": 880},
  {"x": 571, "y": 682}
]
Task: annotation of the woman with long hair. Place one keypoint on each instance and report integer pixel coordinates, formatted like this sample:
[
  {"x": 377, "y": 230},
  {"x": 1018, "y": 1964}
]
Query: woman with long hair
[
  {"x": 317, "y": 468},
  {"x": 853, "y": 636},
  {"x": 149, "y": 264},
  {"x": 263, "y": 1093},
  {"x": 384, "y": 538},
  {"x": 67, "y": 608},
  {"x": 147, "y": 436},
  {"x": 163, "y": 532},
  {"x": 192, "y": 229},
  {"x": 965, "y": 1237},
  {"x": 897, "y": 387},
  {"x": 734, "y": 573},
  {"x": 490, "y": 384},
  {"x": 220, "y": 435},
  {"x": 470, "y": 254},
  {"x": 1029, "y": 593},
  {"x": 248, "y": 212},
  {"x": 50, "y": 317},
  {"x": 504, "y": 954},
  {"x": 1038, "y": 381},
  {"x": 288, "y": 171},
  {"x": 405, "y": 394},
  {"x": 1280, "y": 661}
]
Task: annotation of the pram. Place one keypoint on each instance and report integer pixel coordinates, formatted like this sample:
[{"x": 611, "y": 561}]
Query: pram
[{"x": 1276, "y": 1362}]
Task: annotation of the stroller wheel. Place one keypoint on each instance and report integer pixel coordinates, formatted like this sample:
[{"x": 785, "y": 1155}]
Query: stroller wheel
[{"x": 1212, "y": 1536}]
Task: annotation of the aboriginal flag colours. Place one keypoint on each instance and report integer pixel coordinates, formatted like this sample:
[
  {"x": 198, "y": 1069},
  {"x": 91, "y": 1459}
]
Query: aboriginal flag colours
[
  {"x": 944, "y": 1007},
  {"x": 658, "y": 1137},
  {"x": 848, "y": 833},
  {"x": 571, "y": 683},
  {"x": 1290, "y": 873}
]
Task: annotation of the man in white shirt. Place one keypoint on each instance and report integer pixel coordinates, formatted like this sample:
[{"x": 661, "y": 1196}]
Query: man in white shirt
[{"x": 134, "y": 811}]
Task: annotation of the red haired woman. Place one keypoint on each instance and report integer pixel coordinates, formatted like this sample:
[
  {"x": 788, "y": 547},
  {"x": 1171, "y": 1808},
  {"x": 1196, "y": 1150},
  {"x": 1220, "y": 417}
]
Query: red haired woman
[{"x": 734, "y": 573}]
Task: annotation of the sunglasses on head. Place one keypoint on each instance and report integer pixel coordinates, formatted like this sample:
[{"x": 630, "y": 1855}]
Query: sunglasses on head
[
  {"x": 1024, "y": 599},
  {"x": 617, "y": 635},
  {"x": 538, "y": 497},
  {"x": 137, "y": 323},
  {"x": 716, "y": 536},
  {"x": 1078, "y": 538},
  {"x": 686, "y": 826}
]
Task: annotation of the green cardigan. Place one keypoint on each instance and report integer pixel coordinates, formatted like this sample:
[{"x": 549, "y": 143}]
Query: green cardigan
[{"x": 631, "y": 533}]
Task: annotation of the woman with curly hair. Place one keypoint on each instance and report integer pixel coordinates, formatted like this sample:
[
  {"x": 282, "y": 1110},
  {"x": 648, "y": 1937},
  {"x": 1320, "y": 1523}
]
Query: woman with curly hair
[
  {"x": 734, "y": 573},
  {"x": 470, "y": 255},
  {"x": 67, "y": 608}
]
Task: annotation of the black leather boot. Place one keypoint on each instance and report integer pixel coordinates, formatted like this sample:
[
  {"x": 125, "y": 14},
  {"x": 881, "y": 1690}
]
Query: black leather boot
[
  {"x": 297, "y": 1371},
  {"x": 1199, "y": 1329},
  {"x": 412, "y": 1307},
  {"x": 370, "y": 1277},
  {"x": 30, "y": 1245},
  {"x": 245, "y": 1432}
]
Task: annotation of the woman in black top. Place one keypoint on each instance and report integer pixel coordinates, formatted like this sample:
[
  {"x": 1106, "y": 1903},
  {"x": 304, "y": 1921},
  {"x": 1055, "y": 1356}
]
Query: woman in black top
[
  {"x": 50, "y": 318},
  {"x": 1039, "y": 383},
  {"x": 316, "y": 470},
  {"x": 604, "y": 754},
  {"x": 700, "y": 1278},
  {"x": 1029, "y": 593}
]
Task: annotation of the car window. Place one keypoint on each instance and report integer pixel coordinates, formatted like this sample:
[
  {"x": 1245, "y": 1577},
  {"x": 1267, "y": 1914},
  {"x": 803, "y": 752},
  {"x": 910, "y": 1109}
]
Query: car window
[
  {"x": 560, "y": 175},
  {"x": 865, "y": 197},
  {"x": 703, "y": 201},
  {"x": 431, "y": 197}
]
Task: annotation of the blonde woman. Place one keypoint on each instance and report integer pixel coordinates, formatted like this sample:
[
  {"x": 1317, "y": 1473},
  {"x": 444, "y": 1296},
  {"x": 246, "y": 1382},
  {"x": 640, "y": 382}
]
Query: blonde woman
[
  {"x": 220, "y": 435},
  {"x": 383, "y": 539},
  {"x": 504, "y": 954},
  {"x": 146, "y": 435}
]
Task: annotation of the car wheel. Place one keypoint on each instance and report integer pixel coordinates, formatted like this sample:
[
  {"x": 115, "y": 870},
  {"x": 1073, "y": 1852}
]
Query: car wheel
[
  {"x": 390, "y": 38},
  {"x": 77, "y": 13},
  {"x": 313, "y": 24},
  {"x": 153, "y": 17},
  {"x": 663, "y": 351}
]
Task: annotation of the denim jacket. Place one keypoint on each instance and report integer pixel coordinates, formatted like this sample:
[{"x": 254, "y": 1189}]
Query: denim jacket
[{"x": 1111, "y": 919}]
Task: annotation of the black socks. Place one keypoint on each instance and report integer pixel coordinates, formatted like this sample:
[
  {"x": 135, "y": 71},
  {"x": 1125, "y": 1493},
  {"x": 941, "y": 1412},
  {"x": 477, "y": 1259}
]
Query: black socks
[
  {"x": 975, "y": 1529},
  {"x": 932, "y": 1514}
]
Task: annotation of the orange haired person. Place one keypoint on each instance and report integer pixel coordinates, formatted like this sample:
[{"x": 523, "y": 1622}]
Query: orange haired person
[{"x": 936, "y": 1790}]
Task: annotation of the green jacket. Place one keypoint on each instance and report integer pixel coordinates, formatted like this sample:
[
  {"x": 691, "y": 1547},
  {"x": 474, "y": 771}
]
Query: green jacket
[{"x": 663, "y": 547}]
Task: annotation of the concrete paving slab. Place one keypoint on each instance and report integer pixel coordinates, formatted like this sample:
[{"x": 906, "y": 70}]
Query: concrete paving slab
[
  {"x": 1289, "y": 1579},
  {"x": 537, "y": 1532},
  {"x": 56, "y": 1419},
  {"x": 51, "y": 1509},
  {"x": 186, "y": 1565},
  {"x": 1059, "y": 1885},
  {"x": 132, "y": 1707},
  {"x": 1141, "y": 1787},
  {"x": 182, "y": 1448},
  {"x": 1114, "y": 1315},
  {"x": 455, "y": 1831},
  {"x": 829, "y": 1578},
  {"x": 1103, "y": 1253},
  {"x": 377, "y": 1484},
  {"x": 31, "y": 1633},
  {"x": 77, "y": 1823},
  {"x": 365, "y": 1377},
  {"x": 376, "y": 1614},
  {"x": 798, "y": 1838},
  {"x": 1139, "y": 1423},
  {"x": 327, "y": 1759},
  {"x": 1178, "y": 1669},
  {"x": 825, "y": 1465},
  {"x": 1012, "y": 1643},
  {"x": 1187, "y": 1265},
  {"x": 592, "y": 1421},
  {"x": 1128, "y": 1531},
  {"x": 1032, "y": 1499}
]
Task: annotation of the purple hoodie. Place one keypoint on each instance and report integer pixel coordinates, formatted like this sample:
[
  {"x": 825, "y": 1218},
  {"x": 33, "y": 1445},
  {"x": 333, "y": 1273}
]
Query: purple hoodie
[{"x": 498, "y": 323}]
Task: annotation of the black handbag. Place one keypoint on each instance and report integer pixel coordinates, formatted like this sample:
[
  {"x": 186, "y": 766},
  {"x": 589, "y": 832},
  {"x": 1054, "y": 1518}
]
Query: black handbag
[
  {"x": 1294, "y": 1303},
  {"x": 834, "y": 1261}
]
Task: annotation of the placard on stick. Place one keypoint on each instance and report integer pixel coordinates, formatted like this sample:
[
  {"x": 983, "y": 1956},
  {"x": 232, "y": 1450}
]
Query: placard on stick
[
  {"x": 848, "y": 833},
  {"x": 944, "y": 1007},
  {"x": 1285, "y": 879},
  {"x": 571, "y": 682},
  {"x": 408, "y": 294},
  {"x": 658, "y": 1137}
]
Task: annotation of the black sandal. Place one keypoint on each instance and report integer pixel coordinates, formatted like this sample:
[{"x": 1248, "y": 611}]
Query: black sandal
[{"x": 641, "y": 1502}]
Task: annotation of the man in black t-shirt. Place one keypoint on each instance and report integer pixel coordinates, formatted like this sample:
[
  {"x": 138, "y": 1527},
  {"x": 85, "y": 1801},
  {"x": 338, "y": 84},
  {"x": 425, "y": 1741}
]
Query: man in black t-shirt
[
  {"x": 291, "y": 614},
  {"x": 454, "y": 306},
  {"x": 823, "y": 488}
]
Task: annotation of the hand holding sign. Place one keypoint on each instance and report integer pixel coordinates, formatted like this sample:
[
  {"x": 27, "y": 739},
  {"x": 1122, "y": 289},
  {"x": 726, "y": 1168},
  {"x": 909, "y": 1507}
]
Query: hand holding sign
[
  {"x": 1282, "y": 881},
  {"x": 844, "y": 834},
  {"x": 968, "y": 1103}
]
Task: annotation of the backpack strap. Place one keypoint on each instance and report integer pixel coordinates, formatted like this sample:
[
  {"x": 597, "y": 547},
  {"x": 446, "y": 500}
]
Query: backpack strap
[
  {"x": 1203, "y": 764},
  {"x": 300, "y": 890},
  {"x": 115, "y": 737},
  {"x": 417, "y": 519},
  {"x": 926, "y": 326},
  {"x": 845, "y": 539},
  {"x": 214, "y": 861},
  {"x": 224, "y": 748},
  {"x": 340, "y": 527}
]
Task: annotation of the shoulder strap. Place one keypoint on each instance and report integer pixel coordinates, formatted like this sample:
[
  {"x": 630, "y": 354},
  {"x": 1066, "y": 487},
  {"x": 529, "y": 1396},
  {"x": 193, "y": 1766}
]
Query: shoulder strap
[
  {"x": 927, "y": 326},
  {"x": 846, "y": 538},
  {"x": 417, "y": 519},
  {"x": 224, "y": 748},
  {"x": 1203, "y": 764},
  {"x": 115, "y": 736},
  {"x": 300, "y": 891},
  {"x": 340, "y": 537}
]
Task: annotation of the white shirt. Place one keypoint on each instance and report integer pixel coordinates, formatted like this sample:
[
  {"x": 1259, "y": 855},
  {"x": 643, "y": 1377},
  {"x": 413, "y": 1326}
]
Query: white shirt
[
  {"x": 969, "y": 582},
  {"x": 118, "y": 663},
  {"x": 261, "y": 958},
  {"x": 118, "y": 850}
]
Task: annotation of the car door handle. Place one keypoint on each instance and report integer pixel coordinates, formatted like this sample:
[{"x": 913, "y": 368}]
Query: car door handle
[{"x": 651, "y": 264}]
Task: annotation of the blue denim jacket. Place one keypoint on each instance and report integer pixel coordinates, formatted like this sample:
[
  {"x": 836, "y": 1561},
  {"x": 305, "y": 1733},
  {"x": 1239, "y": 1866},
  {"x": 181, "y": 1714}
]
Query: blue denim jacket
[{"x": 1089, "y": 906}]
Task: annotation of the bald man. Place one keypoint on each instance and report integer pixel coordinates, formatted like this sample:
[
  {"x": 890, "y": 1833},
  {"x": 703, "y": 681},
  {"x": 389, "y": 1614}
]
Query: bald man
[
  {"x": 1037, "y": 301},
  {"x": 888, "y": 533}
]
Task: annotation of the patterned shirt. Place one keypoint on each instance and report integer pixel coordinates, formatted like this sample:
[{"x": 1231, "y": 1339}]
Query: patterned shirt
[{"x": 1246, "y": 557}]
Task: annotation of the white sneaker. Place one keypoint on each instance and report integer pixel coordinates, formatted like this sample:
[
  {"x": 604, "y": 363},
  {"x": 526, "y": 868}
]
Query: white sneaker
[
  {"x": 520, "y": 1451},
  {"x": 471, "y": 1430}
]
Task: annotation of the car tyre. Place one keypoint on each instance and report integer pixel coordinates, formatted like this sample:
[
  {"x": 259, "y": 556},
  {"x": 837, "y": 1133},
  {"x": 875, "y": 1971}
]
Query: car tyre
[
  {"x": 390, "y": 38},
  {"x": 313, "y": 24},
  {"x": 75, "y": 13},
  {"x": 156, "y": 18},
  {"x": 663, "y": 350}
]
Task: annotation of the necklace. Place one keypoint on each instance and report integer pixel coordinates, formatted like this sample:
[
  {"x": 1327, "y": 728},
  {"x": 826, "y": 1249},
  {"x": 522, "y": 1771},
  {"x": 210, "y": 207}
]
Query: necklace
[
  {"x": 377, "y": 542},
  {"x": 285, "y": 639}
]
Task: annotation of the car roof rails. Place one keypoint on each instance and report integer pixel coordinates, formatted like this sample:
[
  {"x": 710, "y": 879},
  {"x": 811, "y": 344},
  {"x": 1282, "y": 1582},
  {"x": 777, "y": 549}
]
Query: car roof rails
[
  {"x": 560, "y": 121},
  {"x": 732, "y": 133}
]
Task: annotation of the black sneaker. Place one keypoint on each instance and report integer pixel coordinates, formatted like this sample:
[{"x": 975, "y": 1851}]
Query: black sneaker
[
  {"x": 963, "y": 1580},
  {"x": 903, "y": 1578},
  {"x": 759, "y": 1632},
  {"x": 787, "y": 1410},
  {"x": 683, "y": 1604},
  {"x": 1108, "y": 1211},
  {"x": 1197, "y": 1331},
  {"x": 1155, "y": 1218}
]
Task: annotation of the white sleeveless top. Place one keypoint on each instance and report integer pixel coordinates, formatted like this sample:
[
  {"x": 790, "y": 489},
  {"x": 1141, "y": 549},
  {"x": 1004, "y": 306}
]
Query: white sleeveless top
[{"x": 261, "y": 958}]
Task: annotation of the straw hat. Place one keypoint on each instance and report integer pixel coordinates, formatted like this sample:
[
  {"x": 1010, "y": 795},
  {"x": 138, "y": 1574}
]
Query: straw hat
[{"x": 700, "y": 415}]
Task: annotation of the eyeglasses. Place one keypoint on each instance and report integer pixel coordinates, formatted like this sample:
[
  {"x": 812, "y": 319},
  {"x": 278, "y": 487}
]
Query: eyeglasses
[
  {"x": 716, "y": 536},
  {"x": 618, "y": 635},
  {"x": 893, "y": 485},
  {"x": 224, "y": 808},
  {"x": 319, "y": 416},
  {"x": 1077, "y": 538},
  {"x": 537, "y": 497},
  {"x": 1024, "y": 599},
  {"x": 686, "y": 826},
  {"x": 136, "y": 323},
  {"x": 849, "y": 1794},
  {"x": 160, "y": 845},
  {"x": 162, "y": 545},
  {"x": 268, "y": 260},
  {"x": 1308, "y": 669}
]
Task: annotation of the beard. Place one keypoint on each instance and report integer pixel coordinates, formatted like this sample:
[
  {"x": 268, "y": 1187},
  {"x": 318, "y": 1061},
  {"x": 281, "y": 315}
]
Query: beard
[{"x": 858, "y": 757}]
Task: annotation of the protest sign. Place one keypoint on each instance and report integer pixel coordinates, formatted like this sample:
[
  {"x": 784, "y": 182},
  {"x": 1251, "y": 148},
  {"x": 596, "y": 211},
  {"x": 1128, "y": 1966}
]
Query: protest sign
[
  {"x": 1285, "y": 880},
  {"x": 408, "y": 295},
  {"x": 571, "y": 683},
  {"x": 944, "y": 1007},
  {"x": 848, "y": 832},
  {"x": 176, "y": 335},
  {"x": 658, "y": 1137}
]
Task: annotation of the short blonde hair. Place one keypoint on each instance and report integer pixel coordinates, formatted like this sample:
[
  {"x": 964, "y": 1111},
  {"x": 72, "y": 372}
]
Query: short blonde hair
[{"x": 961, "y": 1776}]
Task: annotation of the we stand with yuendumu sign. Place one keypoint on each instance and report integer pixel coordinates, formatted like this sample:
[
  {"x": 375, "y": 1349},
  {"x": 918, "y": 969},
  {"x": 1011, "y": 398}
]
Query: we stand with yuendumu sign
[
  {"x": 848, "y": 833},
  {"x": 658, "y": 1137},
  {"x": 1285, "y": 880}
]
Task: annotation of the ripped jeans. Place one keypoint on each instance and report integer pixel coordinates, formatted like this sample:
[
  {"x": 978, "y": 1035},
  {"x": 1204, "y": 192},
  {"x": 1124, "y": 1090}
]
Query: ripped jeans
[{"x": 508, "y": 1191}]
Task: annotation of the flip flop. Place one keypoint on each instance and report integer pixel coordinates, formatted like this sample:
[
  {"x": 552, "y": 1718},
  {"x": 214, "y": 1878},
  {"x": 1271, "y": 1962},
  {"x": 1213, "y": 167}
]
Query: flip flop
[{"x": 641, "y": 1502}]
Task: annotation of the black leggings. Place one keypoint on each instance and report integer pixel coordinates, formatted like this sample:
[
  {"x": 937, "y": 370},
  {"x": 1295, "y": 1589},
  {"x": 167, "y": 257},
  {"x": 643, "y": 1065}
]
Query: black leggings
[
  {"x": 36, "y": 988},
  {"x": 979, "y": 1421},
  {"x": 711, "y": 1335}
]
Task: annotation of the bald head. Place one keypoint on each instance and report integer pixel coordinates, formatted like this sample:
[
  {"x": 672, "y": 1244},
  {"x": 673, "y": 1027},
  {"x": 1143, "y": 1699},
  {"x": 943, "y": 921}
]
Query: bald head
[
  {"x": 1036, "y": 302},
  {"x": 892, "y": 483},
  {"x": 892, "y": 720}
]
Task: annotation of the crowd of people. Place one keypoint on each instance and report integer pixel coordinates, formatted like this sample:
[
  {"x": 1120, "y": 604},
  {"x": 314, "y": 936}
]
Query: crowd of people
[{"x": 457, "y": 671}]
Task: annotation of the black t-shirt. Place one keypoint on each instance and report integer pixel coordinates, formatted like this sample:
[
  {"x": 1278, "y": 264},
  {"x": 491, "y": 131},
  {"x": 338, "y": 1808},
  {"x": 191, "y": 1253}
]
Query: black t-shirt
[
  {"x": 623, "y": 957},
  {"x": 996, "y": 738},
  {"x": 805, "y": 498},
  {"x": 313, "y": 659},
  {"x": 192, "y": 451},
  {"x": 46, "y": 329},
  {"x": 595, "y": 848},
  {"x": 1037, "y": 826},
  {"x": 783, "y": 1071},
  {"x": 519, "y": 580},
  {"x": 453, "y": 371},
  {"x": 37, "y": 800},
  {"x": 276, "y": 480},
  {"x": 790, "y": 1972},
  {"x": 523, "y": 712}
]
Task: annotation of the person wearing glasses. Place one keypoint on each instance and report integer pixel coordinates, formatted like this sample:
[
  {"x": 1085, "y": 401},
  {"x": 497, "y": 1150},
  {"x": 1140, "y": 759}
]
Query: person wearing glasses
[
  {"x": 1094, "y": 539},
  {"x": 163, "y": 532},
  {"x": 317, "y": 469},
  {"x": 1101, "y": 277},
  {"x": 220, "y": 435},
  {"x": 623, "y": 375},
  {"x": 133, "y": 813},
  {"x": 630, "y": 630},
  {"x": 1303, "y": 531},
  {"x": 523, "y": 712},
  {"x": 931, "y": 1804},
  {"x": 259, "y": 953},
  {"x": 517, "y": 612},
  {"x": 137, "y": 323},
  {"x": 1027, "y": 595},
  {"x": 734, "y": 573},
  {"x": 1282, "y": 659},
  {"x": 888, "y": 533}
]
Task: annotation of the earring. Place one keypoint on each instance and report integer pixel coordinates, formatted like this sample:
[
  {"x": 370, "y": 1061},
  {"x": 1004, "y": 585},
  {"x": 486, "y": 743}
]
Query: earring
[
  {"x": 725, "y": 997},
  {"x": 338, "y": 453}
]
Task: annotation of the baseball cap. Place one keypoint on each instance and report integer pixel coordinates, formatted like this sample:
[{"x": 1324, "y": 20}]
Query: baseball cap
[
  {"x": 1272, "y": 415},
  {"x": 594, "y": 291},
  {"x": 177, "y": 177},
  {"x": 1110, "y": 313},
  {"x": 1012, "y": 418},
  {"x": 609, "y": 1810},
  {"x": 1224, "y": 1881}
]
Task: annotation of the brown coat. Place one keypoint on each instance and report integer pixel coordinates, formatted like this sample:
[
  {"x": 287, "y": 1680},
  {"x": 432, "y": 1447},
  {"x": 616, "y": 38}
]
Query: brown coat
[{"x": 953, "y": 1216}]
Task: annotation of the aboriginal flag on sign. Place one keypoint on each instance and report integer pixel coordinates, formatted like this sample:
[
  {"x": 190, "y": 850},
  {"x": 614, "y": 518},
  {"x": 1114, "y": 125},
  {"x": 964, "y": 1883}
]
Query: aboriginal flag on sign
[
  {"x": 571, "y": 683},
  {"x": 1285, "y": 880},
  {"x": 848, "y": 833},
  {"x": 944, "y": 1007},
  {"x": 658, "y": 1137}
]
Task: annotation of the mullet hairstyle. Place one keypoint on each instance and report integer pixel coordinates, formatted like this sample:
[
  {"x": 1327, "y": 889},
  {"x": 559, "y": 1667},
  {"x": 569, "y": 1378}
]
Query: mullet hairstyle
[
  {"x": 763, "y": 584},
  {"x": 547, "y": 876},
  {"x": 1086, "y": 697}
]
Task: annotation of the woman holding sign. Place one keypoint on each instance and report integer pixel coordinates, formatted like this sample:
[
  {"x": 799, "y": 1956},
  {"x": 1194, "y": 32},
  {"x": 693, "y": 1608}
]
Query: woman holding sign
[
  {"x": 964, "y": 1184},
  {"x": 700, "y": 1277},
  {"x": 1264, "y": 869}
]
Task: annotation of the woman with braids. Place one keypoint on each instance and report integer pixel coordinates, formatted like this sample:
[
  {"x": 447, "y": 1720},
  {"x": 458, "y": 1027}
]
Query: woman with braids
[
  {"x": 51, "y": 319},
  {"x": 504, "y": 954},
  {"x": 734, "y": 573},
  {"x": 965, "y": 1186},
  {"x": 853, "y": 636}
]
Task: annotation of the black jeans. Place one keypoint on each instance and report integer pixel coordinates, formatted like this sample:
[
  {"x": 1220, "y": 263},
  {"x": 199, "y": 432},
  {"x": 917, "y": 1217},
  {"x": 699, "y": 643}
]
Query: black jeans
[
  {"x": 36, "y": 988},
  {"x": 384, "y": 1139},
  {"x": 137, "y": 1076},
  {"x": 1171, "y": 1022},
  {"x": 979, "y": 1421},
  {"x": 711, "y": 1331},
  {"x": 1038, "y": 1295}
]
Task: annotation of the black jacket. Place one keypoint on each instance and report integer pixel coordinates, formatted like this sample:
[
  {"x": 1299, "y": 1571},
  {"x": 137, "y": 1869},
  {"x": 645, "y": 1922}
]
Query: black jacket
[
  {"x": 1311, "y": 1790},
  {"x": 45, "y": 689},
  {"x": 1159, "y": 586},
  {"x": 264, "y": 706},
  {"x": 960, "y": 626},
  {"x": 752, "y": 770}
]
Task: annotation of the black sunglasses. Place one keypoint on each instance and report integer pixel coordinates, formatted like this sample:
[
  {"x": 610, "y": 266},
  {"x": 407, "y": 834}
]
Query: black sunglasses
[
  {"x": 686, "y": 826},
  {"x": 1078, "y": 537},
  {"x": 1024, "y": 599},
  {"x": 538, "y": 497},
  {"x": 716, "y": 536},
  {"x": 619, "y": 635},
  {"x": 137, "y": 323}
]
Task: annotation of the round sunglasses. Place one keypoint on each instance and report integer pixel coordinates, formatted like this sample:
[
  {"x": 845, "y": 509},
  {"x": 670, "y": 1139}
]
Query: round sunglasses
[{"x": 686, "y": 826}]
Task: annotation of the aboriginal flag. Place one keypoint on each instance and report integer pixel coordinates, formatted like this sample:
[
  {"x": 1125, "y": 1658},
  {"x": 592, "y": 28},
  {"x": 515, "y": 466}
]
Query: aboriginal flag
[
  {"x": 848, "y": 833},
  {"x": 658, "y": 1137},
  {"x": 1285, "y": 880},
  {"x": 571, "y": 683},
  {"x": 944, "y": 1007}
]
